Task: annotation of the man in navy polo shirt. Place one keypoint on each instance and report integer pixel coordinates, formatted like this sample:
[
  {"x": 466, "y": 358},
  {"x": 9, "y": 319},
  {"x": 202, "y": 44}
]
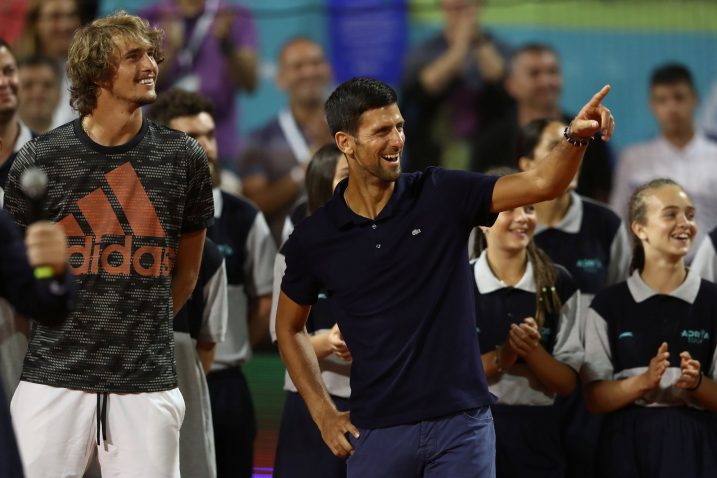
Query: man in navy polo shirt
[{"x": 390, "y": 249}]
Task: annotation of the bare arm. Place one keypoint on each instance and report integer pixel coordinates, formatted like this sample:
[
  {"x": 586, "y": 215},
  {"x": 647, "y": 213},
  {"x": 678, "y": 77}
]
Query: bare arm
[
  {"x": 186, "y": 267},
  {"x": 259, "y": 309},
  {"x": 206, "y": 352},
  {"x": 499, "y": 360},
  {"x": 553, "y": 374},
  {"x": 242, "y": 62},
  {"x": 329, "y": 342},
  {"x": 691, "y": 379},
  {"x": 302, "y": 364},
  {"x": 606, "y": 396},
  {"x": 553, "y": 174},
  {"x": 438, "y": 74}
]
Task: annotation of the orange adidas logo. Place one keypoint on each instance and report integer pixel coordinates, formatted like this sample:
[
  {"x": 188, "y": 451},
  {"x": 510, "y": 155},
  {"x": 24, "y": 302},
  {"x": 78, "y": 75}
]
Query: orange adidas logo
[{"x": 98, "y": 250}]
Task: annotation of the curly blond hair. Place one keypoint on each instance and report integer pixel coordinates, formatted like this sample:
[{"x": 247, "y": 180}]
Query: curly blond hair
[{"x": 93, "y": 57}]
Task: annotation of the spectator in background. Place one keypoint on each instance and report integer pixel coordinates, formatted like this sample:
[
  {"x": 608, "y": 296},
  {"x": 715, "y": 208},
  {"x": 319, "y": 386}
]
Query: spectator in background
[
  {"x": 535, "y": 81},
  {"x": 680, "y": 152},
  {"x": 13, "y": 133},
  {"x": 272, "y": 166},
  {"x": 211, "y": 48},
  {"x": 39, "y": 92},
  {"x": 49, "y": 26},
  {"x": 242, "y": 235},
  {"x": 13, "y": 19},
  {"x": 452, "y": 88}
]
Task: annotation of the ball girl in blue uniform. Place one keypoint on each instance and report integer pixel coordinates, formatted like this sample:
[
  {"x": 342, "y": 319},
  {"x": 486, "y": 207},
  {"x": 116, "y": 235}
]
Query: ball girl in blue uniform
[
  {"x": 590, "y": 241},
  {"x": 300, "y": 450},
  {"x": 650, "y": 349},
  {"x": 526, "y": 316}
]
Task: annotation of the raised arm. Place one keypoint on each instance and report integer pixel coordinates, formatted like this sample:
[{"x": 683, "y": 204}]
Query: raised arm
[
  {"x": 301, "y": 362},
  {"x": 553, "y": 174}
]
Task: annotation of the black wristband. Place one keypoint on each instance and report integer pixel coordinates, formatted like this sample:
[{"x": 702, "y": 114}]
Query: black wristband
[
  {"x": 699, "y": 382},
  {"x": 575, "y": 141}
]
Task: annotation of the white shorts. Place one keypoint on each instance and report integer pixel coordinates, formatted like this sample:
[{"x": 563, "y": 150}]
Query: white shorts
[{"x": 56, "y": 431}]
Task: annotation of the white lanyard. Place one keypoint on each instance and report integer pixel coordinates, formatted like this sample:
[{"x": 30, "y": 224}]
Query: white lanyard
[
  {"x": 293, "y": 136},
  {"x": 187, "y": 55}
]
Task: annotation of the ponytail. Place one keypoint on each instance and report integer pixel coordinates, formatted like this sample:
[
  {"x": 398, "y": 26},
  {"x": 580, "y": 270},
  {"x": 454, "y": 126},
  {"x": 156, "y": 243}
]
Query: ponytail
[{"x": 547, "y": 301}]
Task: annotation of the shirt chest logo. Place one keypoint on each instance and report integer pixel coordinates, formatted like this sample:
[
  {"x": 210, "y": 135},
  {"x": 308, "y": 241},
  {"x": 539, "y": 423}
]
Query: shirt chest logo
[
  {"x": 590, "y": 265},
  {"x": 695, "y": 336},
  {"x": 120, "y": 230},
  {"x": 415, "y": 232}
]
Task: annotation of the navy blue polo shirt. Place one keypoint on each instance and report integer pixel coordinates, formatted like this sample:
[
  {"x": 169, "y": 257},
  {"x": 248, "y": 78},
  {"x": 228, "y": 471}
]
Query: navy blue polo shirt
[{"x": 401, "y": 290}]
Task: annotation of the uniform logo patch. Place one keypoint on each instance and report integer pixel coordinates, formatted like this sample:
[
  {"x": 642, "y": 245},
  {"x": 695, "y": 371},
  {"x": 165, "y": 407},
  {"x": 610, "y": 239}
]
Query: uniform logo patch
[
  {"x": 625, "y": 335},
  {"x": 695, "y": 336},
  {"x": 590, "y": 264},
  {"x": 121, "y": 233},
  {"x": 415, "y": 232}
]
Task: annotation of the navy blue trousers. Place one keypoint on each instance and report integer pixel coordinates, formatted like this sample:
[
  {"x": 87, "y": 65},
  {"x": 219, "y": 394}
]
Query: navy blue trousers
[{"x": 461, "y": 445}]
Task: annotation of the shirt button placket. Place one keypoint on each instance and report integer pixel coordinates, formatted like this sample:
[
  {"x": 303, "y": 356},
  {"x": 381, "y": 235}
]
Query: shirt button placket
[{"x": 374, "y": 228}]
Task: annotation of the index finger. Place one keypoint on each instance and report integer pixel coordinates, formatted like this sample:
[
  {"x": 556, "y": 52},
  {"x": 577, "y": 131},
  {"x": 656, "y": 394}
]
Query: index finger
[{"x": 598, "y": 97}]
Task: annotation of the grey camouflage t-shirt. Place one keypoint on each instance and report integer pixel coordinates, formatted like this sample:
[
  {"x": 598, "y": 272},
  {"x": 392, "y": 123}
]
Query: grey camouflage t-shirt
[{"x": 123, "y": 209}]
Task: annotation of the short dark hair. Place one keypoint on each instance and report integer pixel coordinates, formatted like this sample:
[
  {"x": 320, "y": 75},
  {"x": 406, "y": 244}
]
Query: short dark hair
[
  {"x": 670, "y": 74},
  {"x": 354, "y": 97},
  {"x": 176, "y": 103},
  {"x": 532, "y": 47},
  {"x": 41, "y": 60}
]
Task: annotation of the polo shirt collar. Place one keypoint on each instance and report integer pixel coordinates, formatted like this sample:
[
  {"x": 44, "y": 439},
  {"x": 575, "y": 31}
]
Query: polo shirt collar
[
  {"x": 342, "y": 215},
  {"x": 687, "y": 291},
  {"x": 22, "y": 138},
  {"x": 218, "y": 202},
  {"x": 572, "y": 220},
  {"x": 487, "y": 282}
]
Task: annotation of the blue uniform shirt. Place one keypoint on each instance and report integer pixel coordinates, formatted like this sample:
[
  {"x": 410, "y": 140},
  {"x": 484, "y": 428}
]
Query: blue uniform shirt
[
  {"x": 401, "y": 291},
  {"x": 627, "y": 322}
]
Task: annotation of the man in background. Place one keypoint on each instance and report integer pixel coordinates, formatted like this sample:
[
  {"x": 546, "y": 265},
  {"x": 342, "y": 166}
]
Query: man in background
[
  {"x": 535, "y": 82},
  {"x": 680, "y": 152},
  {"x": 272, "y": 165},
  {"x": 39, "y": 92},
  {"x": 242, "y": 235}
]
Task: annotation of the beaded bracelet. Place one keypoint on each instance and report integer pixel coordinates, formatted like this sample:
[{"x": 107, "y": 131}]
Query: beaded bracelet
[{"x": 575, "y": 141}]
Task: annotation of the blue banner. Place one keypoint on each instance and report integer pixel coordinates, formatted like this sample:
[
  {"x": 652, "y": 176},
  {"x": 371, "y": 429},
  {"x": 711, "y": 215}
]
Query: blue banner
[{"x": 368, "y": 38}]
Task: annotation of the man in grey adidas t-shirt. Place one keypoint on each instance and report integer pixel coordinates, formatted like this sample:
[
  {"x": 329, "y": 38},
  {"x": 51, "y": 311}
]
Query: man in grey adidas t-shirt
[{"x": 135, "y": 200}]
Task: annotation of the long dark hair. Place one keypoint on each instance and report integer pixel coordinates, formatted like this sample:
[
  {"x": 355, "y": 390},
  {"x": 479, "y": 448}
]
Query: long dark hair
[
  {"x": 637, "y": 212},
  {"x": 320, "y": 176},
  {"x": 547, "y": 300}
]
